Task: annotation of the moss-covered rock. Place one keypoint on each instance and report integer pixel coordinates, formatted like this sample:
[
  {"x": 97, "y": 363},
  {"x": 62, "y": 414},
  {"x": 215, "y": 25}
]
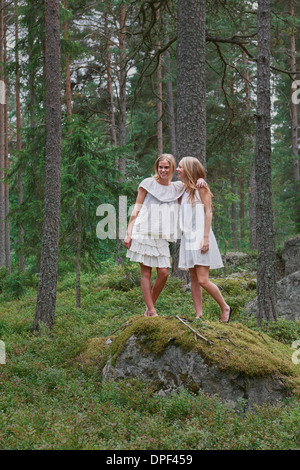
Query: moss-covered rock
[{"x": 165, "y": 351}]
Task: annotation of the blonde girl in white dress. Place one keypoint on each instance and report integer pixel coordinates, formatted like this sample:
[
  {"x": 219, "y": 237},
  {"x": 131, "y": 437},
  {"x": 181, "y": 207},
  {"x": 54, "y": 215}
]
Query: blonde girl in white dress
[
  {"x": 152, "y": 225},
  {"x": 199, "y": 250}
]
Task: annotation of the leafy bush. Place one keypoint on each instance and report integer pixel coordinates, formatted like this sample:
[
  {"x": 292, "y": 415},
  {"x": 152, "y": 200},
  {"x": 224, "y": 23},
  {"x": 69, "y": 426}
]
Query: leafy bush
[
  {"x": 122, "y": 278},
  {"x": 283, "y": 330},
  {"x": 15, "y": 285}
]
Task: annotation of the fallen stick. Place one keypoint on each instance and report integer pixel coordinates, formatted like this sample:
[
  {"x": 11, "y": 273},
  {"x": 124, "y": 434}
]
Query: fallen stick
[{"x": 196, "y": 332}]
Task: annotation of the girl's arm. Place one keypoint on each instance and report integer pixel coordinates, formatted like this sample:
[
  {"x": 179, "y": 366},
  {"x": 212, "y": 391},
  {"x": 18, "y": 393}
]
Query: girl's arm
[
  {"x": 206, "y": 200},
  {"x": 137, "y": 207}
]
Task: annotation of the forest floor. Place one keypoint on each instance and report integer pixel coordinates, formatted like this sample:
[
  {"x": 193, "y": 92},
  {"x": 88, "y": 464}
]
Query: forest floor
[{"x": 52, "y": 397}]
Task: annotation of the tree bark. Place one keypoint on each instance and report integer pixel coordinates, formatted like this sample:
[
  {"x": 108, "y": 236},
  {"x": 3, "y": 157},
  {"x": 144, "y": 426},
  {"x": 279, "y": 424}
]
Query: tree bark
[
  {"x": 191, "y": 89},
  {"x": 6, "y": 168},
  {"x": 67, "y": 70},
  {"x": 159, "y": 100},
  {"x": 252, "y": 182},
  {"x": 79, "y": 245},
  {"x": 122, "y": 88},
  {"x": 170, "y": 104},
  {"x": 266, "y": 274},
  {"x": 2, "y": 139},
  {"x": 252, "y": 201},
  {"x": 111, "y": 107},
  {"x": 234, "y": 234},
  {"x": 191, "y": 86},
  {"x": 295, "y": 129},
  {"x": 46, "y": 298},
  {"x": 19, "y": 138},
  {"x": 242, "y": 208}
]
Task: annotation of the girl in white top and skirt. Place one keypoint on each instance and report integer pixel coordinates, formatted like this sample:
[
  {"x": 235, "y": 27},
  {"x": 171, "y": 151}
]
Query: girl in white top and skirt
[
  {"x": 152, "y": 225},
  {"x": 199, "y": 250}
]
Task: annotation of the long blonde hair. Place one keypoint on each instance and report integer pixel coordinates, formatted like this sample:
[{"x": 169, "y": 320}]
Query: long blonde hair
[
  {"x": 170, "y": 158},
  {"x": 193, "y": 170}
]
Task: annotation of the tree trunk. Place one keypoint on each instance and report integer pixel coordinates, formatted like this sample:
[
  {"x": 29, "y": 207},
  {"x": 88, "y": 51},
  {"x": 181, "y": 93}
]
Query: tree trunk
[
  {"x": 242, "y": 208},
  {"x": 159, "y": 101},
  {"x": 122, "y": 75},
  {"x": 234, "y": 236},
  {"x": 191, "y": 89},
  {"x": 2, "y": 139},
  {"x": 170, "y": 105},
  {"x": 78, "y": 253},
  {"x": 67, "y": 69},
  {"x": 19, "y": 139},
  {"x": 159, "y": 110},
  {"x": 46, "y": 298},
  {"x": 252, "y": 203},
  {"x": 266, "y": 275},
  {"x": 295, "y": 129},
  {"x": 6, "y": 168},
  {"x": 122, "y": 88},
  {"x": 252, "y": 182},
  {"x": 111, "y": 108}
]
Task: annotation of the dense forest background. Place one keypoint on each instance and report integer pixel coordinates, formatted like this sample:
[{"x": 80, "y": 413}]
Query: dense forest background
[
  {"x": 119, "y": 98},
  {"x": 91, "y": 92}
]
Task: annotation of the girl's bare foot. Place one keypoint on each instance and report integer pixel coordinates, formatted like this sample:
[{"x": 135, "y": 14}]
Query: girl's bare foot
[
  {"x": 146, "y": 313},
  {"x": 152, "y": 314},
  {"x": 199, "y": 315},
  {"x": 225, "y": 315}
]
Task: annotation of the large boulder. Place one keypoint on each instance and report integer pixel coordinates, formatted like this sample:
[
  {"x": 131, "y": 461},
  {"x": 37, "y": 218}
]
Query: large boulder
[
  {"x": 288, "y": 298},
  {"x": 291, "y": 255},
  {"x": 230, "y": 360}
]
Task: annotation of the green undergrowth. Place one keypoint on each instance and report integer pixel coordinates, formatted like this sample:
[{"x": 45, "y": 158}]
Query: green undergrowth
[{"x": 51, "y": 390}]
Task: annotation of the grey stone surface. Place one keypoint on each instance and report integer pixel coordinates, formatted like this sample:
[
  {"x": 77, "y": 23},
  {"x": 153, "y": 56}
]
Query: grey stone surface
[
  {"x": 291, "y": 255},
  {"x": 288, "y": 298},
  {"x": 176, "y": 368}
]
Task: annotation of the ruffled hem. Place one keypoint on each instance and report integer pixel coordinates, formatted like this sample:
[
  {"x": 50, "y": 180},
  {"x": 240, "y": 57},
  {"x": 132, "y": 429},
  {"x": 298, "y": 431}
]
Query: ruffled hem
[
  {"x": 140, "y": 236},
  {"x": 184, "y": 268},
  {"x": 153, "y": 262},
  {"x": 150, "y": 247},
  {"x": 150, "y": 252}
]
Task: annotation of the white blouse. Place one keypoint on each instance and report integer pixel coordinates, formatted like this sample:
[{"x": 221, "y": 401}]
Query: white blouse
[{"x": 159, "y": 214}]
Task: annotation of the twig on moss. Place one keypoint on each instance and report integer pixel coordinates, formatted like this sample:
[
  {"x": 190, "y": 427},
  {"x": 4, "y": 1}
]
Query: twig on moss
[
  {"x": 195, "y": 332},
  {"x": 228, "y": 339},
  {"x": 230, "y": 352},
  {"x": 127, "y": 323}
]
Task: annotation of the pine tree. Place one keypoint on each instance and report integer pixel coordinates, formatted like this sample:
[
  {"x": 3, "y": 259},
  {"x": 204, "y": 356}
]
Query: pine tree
[
  {"x": 46, "y": 298},
  {"x": 266, "y": 272}
]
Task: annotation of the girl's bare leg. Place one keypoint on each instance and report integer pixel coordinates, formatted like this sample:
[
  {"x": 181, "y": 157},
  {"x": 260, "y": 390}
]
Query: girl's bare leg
[
  {"x": 196, "y": 292},
  {"x": 159, "y": 284},
  {"x": 146, "y": 289},
  {"x": 213, "y": 290}
]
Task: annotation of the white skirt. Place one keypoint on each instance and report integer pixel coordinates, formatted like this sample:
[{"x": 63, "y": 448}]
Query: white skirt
[
  {"x": 188, "y": 258},
  {"x": 150, "y": 252}
]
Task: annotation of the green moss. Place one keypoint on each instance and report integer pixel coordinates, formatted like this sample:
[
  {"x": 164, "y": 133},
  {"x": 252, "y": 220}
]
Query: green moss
[{"x": 232, "y": 347}]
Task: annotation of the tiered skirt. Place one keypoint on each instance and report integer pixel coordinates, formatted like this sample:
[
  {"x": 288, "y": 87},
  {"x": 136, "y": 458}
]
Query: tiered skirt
[{"x": 150, "y": 252}]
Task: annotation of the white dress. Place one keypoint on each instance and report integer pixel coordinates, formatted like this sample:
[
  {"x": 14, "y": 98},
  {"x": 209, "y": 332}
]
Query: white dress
[
  {"x": 156, "y": 224},
  {"x": 192, "y": 225}
]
